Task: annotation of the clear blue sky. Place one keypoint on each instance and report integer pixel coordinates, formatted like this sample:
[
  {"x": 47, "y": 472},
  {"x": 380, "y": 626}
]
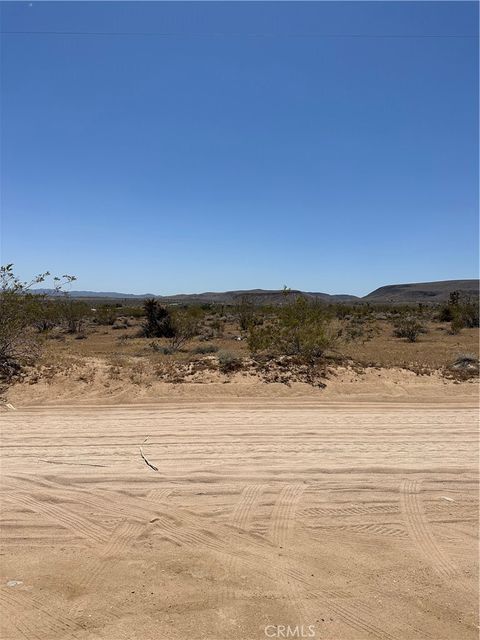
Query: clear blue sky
[{"x": 209, "y": 146}]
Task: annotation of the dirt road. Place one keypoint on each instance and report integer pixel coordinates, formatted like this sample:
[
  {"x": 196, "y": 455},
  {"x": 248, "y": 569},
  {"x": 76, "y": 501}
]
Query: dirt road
[{"x": 332, "y": 521}]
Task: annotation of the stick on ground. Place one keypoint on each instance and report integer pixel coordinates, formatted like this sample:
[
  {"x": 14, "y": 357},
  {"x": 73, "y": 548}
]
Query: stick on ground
[{"x": 152, "y": 466}]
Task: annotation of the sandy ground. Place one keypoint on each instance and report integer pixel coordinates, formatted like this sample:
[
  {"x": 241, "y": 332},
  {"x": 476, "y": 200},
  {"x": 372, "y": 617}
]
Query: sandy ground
[
  {"x": 91, "y": 382},
  {"x": 334, "y": 520}
]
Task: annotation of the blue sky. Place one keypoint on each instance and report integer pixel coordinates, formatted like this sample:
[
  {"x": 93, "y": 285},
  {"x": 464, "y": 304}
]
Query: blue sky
[{"x": 210, "y": 146}]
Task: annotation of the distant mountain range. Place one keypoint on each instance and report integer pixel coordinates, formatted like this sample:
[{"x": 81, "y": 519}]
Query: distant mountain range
[
  {"x": 427, "y": 292},
  {"x": 424, "y": 291}
]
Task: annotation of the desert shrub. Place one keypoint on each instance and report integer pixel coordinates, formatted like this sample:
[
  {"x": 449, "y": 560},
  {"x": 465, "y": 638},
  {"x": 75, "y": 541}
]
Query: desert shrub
[
  {"x": 460, "y": 313},
  {"x": 158, "y": 348},
  {"x": 228, "y": 362},
  {"x": 20, "y": 308},
  {"x": 300, "y": 328},
  {"x": 138, "y": 373},
  {"x": 468, "y": 312},
  {"x": 218, "y": 326},
  {"x": 136, "y": 312},
  {"x": 409, "y": 328},
  {"x": 206, "y": 335},
  {"x": 446, "y": 313},
  {"x": 456, "y": 325},
  {"x": 47, "y": 315},
  {"x": 43, "y": 325},
  {"x": 466, "y": 361},
  {"x": 464, "y": 367},
  {"x": 463, "y": 316},
  {"x": 204, "y": 349},
  {"x": 359, "y": 328},
  {"x": 158, "y": 322},
  {"x": 341, "y": 311},
  {"x": 105, "y": 315},
  {"x": 245, "y": 312},
  {"x": 73, "y": 313},
  {"x": 178, "y": 326},
  {"x": 184, "y": 326}
]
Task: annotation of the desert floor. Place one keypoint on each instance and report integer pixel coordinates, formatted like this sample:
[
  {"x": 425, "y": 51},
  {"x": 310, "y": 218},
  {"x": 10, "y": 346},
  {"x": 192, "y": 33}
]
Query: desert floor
[{"x": 344, "y": 520}]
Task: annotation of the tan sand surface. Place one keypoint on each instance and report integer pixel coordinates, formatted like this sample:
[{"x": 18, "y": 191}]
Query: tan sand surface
[
  {"x": 90, "y": 383},
  {"x": 357, "y": 520}
]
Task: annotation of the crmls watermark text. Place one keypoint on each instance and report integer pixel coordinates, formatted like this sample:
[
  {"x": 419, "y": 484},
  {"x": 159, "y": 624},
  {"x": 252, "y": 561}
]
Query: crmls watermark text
[{"x": 289, "y": 631}]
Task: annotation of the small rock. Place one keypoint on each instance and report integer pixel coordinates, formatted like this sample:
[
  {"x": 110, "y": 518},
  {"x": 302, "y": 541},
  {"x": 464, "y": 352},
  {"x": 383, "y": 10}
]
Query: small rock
[{"x": 14, "y": 583}]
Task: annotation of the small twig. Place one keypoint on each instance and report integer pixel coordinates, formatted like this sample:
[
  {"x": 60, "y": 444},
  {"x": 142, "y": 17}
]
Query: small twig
[{"x": 152, "y": 466}]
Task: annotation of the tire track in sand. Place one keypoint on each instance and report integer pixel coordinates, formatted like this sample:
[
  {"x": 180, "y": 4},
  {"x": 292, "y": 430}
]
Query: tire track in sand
[
  {"x": 35, "y": 620},
  {"x": 68, "y": 519},
  {"x": 159, "y": 494},
  {"x": 241, "y": 518},
  {"x": 192, "y": 531},
  {"x": 245, "y": 507},
  {"x": 121, "y": 538},
  {"x": 368, "y": 529},
  {"x": 420, "y": 532},
  {"x": 111, "y": 544},
  {"x": 353, "y": 510},
  {"x": 283, "y": 514},
  {"x": 306, "y": 601},
  {"x": 282, "y": 523}
]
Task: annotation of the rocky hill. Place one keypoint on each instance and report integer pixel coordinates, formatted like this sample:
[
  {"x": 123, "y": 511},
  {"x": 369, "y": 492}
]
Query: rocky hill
[{"x": 426, "y": 292}]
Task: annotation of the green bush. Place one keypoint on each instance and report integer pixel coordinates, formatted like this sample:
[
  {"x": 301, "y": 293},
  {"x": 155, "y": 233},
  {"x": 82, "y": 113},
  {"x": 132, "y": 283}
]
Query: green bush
[
  {"x": 469, "y": 313},
  {"x": 218, "y": 326},
  {"x": 135, "y": 312},
  {"x": 73, "y": 313},
  {"x": 301, "y": 328},
  {"x": 456, "y": 325},
  {"x": 20, "y": 310},
  {"x": 245, "y": 312},
  {"x": 446, "y": 313},
  {"x": 105, "y": 315},
  {"x": 158, "y": 323},
  {"x": 47, "y": 314},
  {"x": 409, "y": 328},
  {"x": 359, "y": 328},
  {"x": 184, "y": 325},
  {"x": 461, "y": 313}
]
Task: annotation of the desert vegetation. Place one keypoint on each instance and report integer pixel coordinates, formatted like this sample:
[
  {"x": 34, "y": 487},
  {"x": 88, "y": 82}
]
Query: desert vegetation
[
  {"x": 297, "y": 339},
  {"x": 24, "y": 315}
]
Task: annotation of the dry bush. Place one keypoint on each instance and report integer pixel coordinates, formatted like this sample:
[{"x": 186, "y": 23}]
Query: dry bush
[
  {"x": 289, "y": 369},
  {"x": 205, "y": 349},
  {"x": 118, "y": 363},
  {"x": 466, "y": 366},
  {"x": 228, "y": 362},
  {"x": 138, "y": 373}
]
